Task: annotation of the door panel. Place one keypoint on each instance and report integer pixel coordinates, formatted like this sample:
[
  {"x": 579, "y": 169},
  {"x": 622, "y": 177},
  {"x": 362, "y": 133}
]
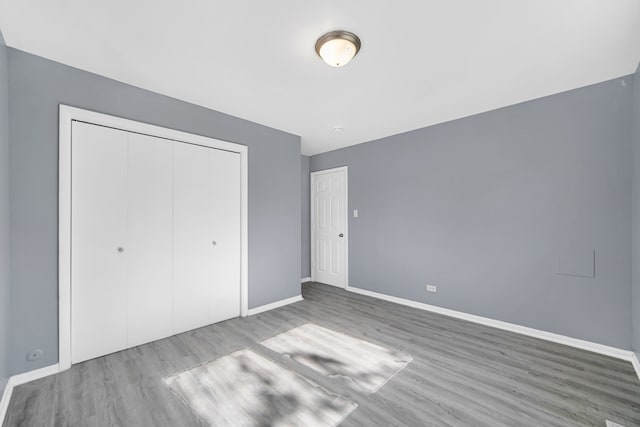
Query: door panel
[
  {"x": 98, "y": 270},
  {"x": 329, "y": 263},
  {"x": 206, "y": 236},
  {"x": 149, "y": 249},
  {"x": 226, "y": 233}
]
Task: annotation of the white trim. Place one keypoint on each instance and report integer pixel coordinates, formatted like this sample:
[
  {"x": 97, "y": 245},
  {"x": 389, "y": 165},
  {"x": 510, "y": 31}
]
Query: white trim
[
  {"x": 618, "y": 353},
  {"x": 274, "y": 305},
  {"x": 67, "y": 115},
  {"x": 64, "y": 239},
  {"x": 312, "y": 205},
  {"x": 305, "y": 280},
  {"x": 6, "y": 398},
  {"x": 36, "y": 374},
  {"x": 346, "y": 222},
  {"x": 20, "y": 379},
  {"x": 636, "y": 363},
  {"x": 244, "y": 231}
]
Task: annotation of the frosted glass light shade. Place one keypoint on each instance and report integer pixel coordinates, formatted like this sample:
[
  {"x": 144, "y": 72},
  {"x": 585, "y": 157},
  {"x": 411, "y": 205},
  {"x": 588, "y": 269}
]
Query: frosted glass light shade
[{"x": 337, "y": 48}]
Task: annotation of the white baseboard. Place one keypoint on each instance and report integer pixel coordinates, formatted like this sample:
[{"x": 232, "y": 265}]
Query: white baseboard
[
  {"x": 305, "y": 279},
  {"x": 618, "y": 353},
  {"x": 273, "y": 305},
  {"x": 4, "y": 403},
  {"x": 19, "y": 379},
  {"x": 36, "y": 374},
  {"x": 636, "y": 363}
]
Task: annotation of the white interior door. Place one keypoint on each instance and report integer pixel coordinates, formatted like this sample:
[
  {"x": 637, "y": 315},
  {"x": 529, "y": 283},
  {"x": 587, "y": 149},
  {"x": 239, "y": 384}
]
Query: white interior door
[
  {"x": 149, "y": 248},
  {"x": 206, "y": 236},
  {"x": 329, "y": 263},
  {"x": 98, "y": 238}
]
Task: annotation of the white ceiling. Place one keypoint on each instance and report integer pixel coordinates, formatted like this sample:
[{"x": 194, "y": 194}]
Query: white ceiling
[{"x": 422, "y": 62}]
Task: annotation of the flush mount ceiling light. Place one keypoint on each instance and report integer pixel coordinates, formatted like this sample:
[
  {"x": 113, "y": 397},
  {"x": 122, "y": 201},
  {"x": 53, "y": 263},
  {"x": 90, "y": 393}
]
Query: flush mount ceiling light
[{"x": 337, "y": 48}]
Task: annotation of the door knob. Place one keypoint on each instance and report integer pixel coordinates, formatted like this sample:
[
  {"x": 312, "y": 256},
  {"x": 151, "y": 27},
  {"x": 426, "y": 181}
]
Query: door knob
[
  {"x": 120, "y": 249},
  {"x": 214, "y": 243},
  {"x": 340, "y": 235}
]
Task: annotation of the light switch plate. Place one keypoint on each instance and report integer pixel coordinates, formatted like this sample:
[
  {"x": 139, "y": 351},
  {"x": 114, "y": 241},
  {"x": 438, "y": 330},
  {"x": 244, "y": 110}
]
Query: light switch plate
[{"x": 355, "y": 213}]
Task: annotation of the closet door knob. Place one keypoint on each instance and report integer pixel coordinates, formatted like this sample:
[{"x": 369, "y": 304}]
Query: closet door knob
[
  {"x": 214, "y": 243},
  {"x": 120, "y": 249}
]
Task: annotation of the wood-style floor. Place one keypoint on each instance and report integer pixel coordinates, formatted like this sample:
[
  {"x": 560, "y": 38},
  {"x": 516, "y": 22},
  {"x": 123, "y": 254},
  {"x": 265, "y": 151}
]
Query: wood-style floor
[{"x": 462, "y": 374}]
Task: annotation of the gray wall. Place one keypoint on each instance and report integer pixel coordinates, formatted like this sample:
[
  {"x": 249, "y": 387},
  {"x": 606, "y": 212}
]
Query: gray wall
[
  {"x": 36, "y": 87},
  {"x": 4, "y": 217},
  {"x": 484, "y": 207},
  {"x": 305, "y": 266},
  {"x": 636, "y": 212}
]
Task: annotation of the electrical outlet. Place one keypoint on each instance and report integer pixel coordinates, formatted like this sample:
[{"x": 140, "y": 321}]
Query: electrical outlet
[
  {"x": 432, "y": 288},
  {"x": 34, "y": 355}
]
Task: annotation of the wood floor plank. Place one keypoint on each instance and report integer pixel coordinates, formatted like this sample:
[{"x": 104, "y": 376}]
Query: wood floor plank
[{"x": 462, "y": 374}]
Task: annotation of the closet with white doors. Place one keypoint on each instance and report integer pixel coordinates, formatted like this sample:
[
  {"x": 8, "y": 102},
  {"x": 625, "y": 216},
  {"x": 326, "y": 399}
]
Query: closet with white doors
[{"x": 155, "y": 238}]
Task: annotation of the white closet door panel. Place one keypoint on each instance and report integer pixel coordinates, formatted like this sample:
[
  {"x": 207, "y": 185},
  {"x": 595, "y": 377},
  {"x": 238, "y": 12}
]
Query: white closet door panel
[
  {"x": 193, "y": 278},
  {"x": 149, "y": 247},
  {"x": 226, "y": 233},
  {"x": 98, "y": 271},
  {"x": 206, "y": 237}
]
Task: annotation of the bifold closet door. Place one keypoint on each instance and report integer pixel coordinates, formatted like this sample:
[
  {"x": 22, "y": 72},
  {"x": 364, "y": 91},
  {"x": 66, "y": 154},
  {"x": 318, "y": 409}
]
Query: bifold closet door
[
  {"x": 206, "y": 241},
  {"x": 155, "y": 246},
  {"x": 149, "y": 239},
  {"x": 98, "y": 241},
  {"x": 122, "y": 204}
]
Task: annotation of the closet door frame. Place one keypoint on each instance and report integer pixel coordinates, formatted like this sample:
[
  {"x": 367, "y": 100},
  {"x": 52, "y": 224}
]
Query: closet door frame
[{"x": 69, "y": 114}]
